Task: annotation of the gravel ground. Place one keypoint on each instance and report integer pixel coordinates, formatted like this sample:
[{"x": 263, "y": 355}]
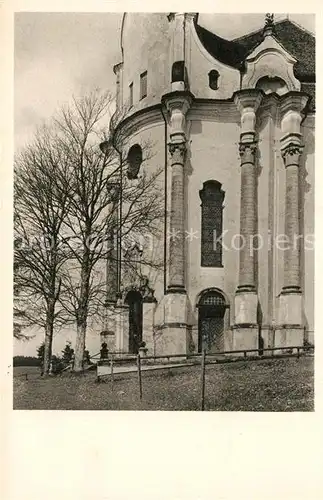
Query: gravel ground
[{"x": 264, "y": 385}]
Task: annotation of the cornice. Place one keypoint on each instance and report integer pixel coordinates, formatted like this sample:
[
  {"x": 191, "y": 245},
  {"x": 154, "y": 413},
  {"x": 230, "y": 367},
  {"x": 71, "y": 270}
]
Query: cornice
[
  {"x": 177, "y": 97},
  {"x": 140, "y": 119},
  {"x": 214, "y": 110},
  {"x": 248, "y": 98},
  {"x": 294, "y": 101}
]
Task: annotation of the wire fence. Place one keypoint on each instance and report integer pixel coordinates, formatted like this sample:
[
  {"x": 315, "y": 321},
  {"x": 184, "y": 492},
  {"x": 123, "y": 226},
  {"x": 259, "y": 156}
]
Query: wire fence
[{"x": 141, "y": 363}]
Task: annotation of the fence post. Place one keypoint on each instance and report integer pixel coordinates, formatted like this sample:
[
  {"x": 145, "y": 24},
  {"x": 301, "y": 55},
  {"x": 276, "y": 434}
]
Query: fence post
[
  {"x": 112, "y": 375},
  {"x": 202, "y": 379},
  {"x": 139, "y": 375}
]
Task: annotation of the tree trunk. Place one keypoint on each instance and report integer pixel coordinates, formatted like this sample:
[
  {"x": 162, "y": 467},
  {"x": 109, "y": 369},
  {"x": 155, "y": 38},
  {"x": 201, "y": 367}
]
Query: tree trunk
[
  {"x": 49, "y": 330},
  {"x": 82, "y": 313},
  {"x": 79, "y": 347}
]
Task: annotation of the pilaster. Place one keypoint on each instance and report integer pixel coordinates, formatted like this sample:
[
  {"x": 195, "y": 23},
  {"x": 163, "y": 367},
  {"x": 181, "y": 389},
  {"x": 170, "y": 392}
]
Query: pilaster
[
  {"x": 122, "y": 326},
  {"x": 177, "y": 105},
  {"x": 290, "y": 329},
  {"x": 245, "y": 332}
]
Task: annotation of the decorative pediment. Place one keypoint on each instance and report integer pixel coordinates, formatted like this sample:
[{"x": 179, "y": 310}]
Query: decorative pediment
[{"x": 270, "y": 60}]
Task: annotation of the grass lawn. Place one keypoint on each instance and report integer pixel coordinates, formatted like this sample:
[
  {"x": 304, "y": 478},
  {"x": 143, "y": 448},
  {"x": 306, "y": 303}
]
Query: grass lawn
[
  {"x": 264, "y": 385},
  {"x": 19, "y": 371}
]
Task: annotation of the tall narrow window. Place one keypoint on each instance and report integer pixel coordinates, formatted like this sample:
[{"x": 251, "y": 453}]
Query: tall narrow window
[
  {"x": 131, "y": 94},
  {"x": 143, "y": 85},
  {"x": 212, "y": 198}
]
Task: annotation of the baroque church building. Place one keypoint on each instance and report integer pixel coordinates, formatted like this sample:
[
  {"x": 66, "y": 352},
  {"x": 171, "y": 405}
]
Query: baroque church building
[{"x": 231, "y": 122}]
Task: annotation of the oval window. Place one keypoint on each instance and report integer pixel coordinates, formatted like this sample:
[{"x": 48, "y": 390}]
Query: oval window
[{"x": 214, "y": 79}]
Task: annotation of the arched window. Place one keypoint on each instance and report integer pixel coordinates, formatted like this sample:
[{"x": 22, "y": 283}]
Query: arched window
[
  {"x": 134, "y": 160},
  {"x": 134, "y": 301},
  {"x": 211, "y": 311},
  {"x": 212, "y": 198},
  {"x": 212, "y": 298},
  {"x": 214, "y": 79},
  {"x": 272, "y": 85}
]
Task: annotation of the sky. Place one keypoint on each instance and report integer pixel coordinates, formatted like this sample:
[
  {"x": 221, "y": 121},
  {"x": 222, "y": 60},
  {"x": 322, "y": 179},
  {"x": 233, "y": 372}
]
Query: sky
[{"x": 60, "y": 54}]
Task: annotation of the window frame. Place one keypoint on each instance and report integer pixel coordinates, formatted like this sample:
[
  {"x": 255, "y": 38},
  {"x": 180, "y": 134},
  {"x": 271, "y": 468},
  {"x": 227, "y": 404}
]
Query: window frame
[
  {"x": 212, "y": 196},
  {"x": 131, "y": 94},
  {"x": 143, "y": 78},
  {"x": 214, "y": 76}
]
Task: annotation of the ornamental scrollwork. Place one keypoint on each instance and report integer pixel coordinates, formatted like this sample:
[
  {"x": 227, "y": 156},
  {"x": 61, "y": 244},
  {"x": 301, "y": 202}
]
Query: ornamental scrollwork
[
  {"x": 177, "y": 150},
  {"x": 247, "y": 152},
  {"x": 291, "y": 154}
]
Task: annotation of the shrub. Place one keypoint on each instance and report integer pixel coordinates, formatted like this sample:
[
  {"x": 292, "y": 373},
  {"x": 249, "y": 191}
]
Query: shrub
[{"x": 26, "y": 361}]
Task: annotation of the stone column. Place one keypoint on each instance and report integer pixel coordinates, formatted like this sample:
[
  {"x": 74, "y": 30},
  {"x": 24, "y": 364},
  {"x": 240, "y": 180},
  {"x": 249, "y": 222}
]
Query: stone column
[
  {"x": 149, "y": 307},
  {"x": 291, "y": 155},
  {"x": 248, "y": 216},
  {"x": 111, "y": 263},
  {"x": 109, "y": 330},
  {"x": 177, "y": 105},
  {"x": 176, "y": 233},
  {"x": 172, "y": 310},
  {"x": 122, "y": 325},
  {"x": 246, "y": 299},
  {"x": 290, "y": 331}
]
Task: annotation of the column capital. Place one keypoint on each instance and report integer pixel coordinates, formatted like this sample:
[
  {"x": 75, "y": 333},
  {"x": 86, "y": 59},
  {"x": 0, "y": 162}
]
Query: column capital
[
  {"x": 291, "y": 148},
  {"x": 247, "y": 151},
  {"x": 292, "y": 153},
  {"x": 178, "y": 151}
]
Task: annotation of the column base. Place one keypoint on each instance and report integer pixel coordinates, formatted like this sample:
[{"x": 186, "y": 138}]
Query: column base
[
  {"x": 171, "y": 338},
  {"x": 267, "y": 337},
  {"x": 245, "y": 307},
  {"x": 288, "y": 336},
  {"x": 290, "y": 308},
  {"x": 122, "y": 328},
  {"x": 108, "y": 335},
  {"x": 148, "y": 311},
  {"x": 175, "y": 289},
  {"x": 245, "y": 336},
  {"x": 171, "y": 331}
]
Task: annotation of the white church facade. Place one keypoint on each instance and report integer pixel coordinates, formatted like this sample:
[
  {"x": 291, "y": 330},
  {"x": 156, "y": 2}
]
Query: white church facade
[{"x": 231, "y": 124}]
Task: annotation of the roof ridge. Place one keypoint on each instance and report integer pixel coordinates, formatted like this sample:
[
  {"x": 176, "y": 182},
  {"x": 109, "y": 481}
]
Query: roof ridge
[
  {"x": 302, "y": 28},
  {"x": 259, "y": 30}
]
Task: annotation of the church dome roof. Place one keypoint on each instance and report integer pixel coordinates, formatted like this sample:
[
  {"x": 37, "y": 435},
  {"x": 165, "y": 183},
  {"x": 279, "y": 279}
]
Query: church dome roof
[{"x": 296, "y": 40}]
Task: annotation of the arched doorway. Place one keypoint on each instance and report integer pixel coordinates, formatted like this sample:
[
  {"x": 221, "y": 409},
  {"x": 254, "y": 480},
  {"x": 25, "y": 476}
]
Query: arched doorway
[
  {"x": 211, "y": 310},
  {"x": 134, "y": 301}
]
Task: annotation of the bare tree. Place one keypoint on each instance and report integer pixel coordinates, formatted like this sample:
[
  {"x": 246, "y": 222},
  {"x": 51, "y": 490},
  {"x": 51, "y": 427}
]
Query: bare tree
[
  {"x": 94, "y": 183},
  {"x": 40, "y": 206},
  {"x": 70, "y": 196}
]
